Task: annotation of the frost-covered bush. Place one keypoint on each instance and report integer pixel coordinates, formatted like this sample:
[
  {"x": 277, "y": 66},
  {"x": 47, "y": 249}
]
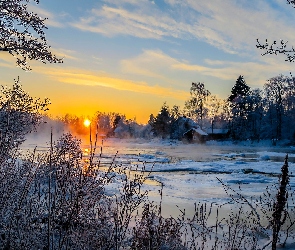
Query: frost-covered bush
[
  {"x": 19, "y": 115},
  {"x": 61, "y": 202}
]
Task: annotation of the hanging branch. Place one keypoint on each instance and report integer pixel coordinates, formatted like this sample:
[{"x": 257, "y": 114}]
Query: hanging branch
[
  {"x": 292, "y": 2},
  {"x": 22, "y": 34},
  {"x": 278, "y": 47},
  {"x": 275, "y": 48}
]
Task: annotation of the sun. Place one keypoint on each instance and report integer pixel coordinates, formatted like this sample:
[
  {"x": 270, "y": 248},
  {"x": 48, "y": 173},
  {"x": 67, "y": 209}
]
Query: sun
[{"x": 86, "y": 123}]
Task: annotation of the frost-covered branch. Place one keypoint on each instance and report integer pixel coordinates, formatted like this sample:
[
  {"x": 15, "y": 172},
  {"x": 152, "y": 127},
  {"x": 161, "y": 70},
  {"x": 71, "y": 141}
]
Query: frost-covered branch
[
  {"x": 291, "y": 2},
  {"x": 22, "y": 34},
  {"x": 277, "y": 48}
]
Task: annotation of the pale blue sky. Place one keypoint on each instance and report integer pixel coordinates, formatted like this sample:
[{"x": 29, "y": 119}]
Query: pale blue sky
[{"x": 132, "y": 55}]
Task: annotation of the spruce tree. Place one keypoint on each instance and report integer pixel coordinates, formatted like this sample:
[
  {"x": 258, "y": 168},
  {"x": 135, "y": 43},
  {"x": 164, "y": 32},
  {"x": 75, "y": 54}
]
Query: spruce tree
[
  {"x": 162, "y": 122},
  {"x": 239, "y": 89},
  {"x": 239, "y": 108}
]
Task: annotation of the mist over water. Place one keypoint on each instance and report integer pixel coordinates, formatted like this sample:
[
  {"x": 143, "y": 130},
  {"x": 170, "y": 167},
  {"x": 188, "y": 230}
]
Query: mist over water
[
  {"x": 188, "y": 172},
  {"x": 42, "y": 135}
]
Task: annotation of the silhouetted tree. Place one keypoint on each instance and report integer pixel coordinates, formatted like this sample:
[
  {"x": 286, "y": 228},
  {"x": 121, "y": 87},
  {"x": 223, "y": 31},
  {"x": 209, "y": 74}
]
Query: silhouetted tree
[
  {"x": 116, "y": 121},
  {"x": 103, "y": 122},
  {"x": 175, "y": 112},
  {"x": 151, "y": 120},
  {"x": 22, "y": 33},
  {"x": 75, "y": 124},
  {"x": 239, "y": 107},
  {"x": 162, "y": 122},
  {"x": 276, "y": 90},
  {"x": 239, "y": 89},
  {"x": 254, "y": 114},
  {"x": 214, "y": 107},
  {"x": 19, "y": 115}
]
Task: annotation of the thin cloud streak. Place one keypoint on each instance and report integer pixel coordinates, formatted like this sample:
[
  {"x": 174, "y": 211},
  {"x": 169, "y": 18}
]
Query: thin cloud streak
[
  {"x": 156, "y": 63},
  {"x": 229, "y": 25},
  {"x": 84, "y": 78},
  {"x": 112, "y": 21},
  {"x": 66, "y": 54}
]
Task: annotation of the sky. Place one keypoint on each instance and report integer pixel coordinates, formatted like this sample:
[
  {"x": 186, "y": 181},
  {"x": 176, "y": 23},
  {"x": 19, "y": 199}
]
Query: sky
[{"x": 131, "y": 56}]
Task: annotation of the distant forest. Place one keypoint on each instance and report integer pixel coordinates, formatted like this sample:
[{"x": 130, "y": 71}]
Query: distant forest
[{"x": 247, "y": 113}]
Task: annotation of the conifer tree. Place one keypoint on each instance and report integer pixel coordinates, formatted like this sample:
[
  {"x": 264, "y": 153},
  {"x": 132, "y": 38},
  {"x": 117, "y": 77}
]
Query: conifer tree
[
  {"x": 239, "y": 108},
  {"x": 239, "y": 89},
  {"x": 162, "y": 122}
]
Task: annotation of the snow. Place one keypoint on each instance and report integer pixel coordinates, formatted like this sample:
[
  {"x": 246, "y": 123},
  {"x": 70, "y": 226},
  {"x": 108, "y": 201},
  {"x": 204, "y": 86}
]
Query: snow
[
  {"x": 197, "y": 130},
  {"x": 182, "y": 167},
  {"x": 189, "y": 172}
]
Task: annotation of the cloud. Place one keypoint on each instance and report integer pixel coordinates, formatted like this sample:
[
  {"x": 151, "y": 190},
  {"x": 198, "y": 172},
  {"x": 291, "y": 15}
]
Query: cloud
[
  {"x": 256, "y": 72},
  {"x": 112, "y": 21},
  {"x": 157, "y": 64},
  {"x": 9, "y": 61},
  {"x": 230, "y": 25},
  {"x": 6, "y": 57},
  {"x": 236, "y": 25},
  {"x": 6, "y": 65},
  {"x": 97, "y": 60},
  {"x": 150, "y": 63},
  {"x": 88, "y": 78}
]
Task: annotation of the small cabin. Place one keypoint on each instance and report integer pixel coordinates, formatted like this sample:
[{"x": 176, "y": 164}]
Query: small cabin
[{"x": 195, "y": 135}]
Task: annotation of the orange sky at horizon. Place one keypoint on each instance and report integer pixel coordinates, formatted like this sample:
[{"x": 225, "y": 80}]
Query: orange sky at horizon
[{"x": 85, "y": 100}]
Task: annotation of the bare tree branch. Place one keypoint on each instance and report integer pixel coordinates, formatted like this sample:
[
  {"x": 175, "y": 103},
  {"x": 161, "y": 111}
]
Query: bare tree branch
[
  {"x": 275, "y": 48},
  {"x": 22, "y": 34},
  {"x": 278, "y": 47},
  {"x": 292, "y": 2}
]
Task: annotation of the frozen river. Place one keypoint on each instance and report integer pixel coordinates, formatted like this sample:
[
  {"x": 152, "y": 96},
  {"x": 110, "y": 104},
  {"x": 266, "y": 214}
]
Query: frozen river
[{"x": 189, "y": 172}]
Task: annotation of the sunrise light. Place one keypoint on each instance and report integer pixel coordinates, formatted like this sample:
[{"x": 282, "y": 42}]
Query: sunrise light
[{"x": 86, "y": 123}]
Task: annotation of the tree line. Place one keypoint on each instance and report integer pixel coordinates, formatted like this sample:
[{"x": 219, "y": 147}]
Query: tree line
[
  {"x": 246, "y": 114},
  {"x": 253, "y": 114}
]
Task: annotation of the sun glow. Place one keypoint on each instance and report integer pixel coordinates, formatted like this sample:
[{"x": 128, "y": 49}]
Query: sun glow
[{"x": 86, "y": 123}]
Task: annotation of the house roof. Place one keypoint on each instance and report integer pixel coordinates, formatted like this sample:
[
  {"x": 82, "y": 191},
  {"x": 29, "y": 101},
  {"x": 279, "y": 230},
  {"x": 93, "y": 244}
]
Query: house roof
[
  {"x": 188, "y": 121},
  {"x": 197, "y": 130}
]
